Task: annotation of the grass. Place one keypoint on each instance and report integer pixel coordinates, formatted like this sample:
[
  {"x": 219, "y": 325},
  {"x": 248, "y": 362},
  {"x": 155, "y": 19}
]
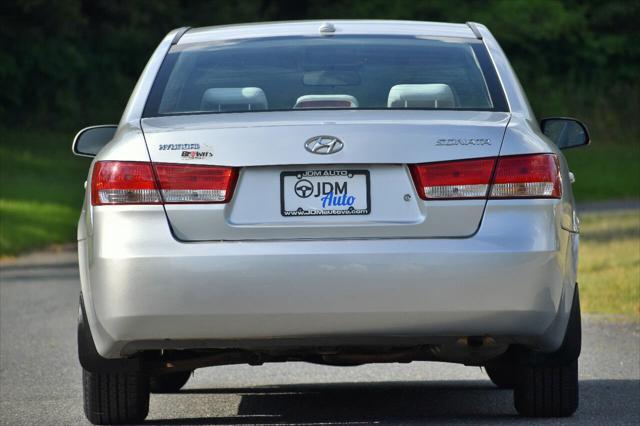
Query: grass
[
  {"x": 609, "y": 271},
  {"x": 41, "y": 190}
]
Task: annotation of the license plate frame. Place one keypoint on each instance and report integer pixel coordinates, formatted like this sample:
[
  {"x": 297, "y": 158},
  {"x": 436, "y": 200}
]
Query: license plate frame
[{"x": 331, "y": 173}]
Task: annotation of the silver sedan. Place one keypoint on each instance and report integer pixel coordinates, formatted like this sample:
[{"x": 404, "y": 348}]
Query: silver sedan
[{"x": 342, "y": 193}]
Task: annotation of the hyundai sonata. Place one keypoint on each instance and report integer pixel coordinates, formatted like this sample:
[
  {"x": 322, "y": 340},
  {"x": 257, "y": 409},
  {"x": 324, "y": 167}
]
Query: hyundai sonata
[{"x": 340, "y": 193}]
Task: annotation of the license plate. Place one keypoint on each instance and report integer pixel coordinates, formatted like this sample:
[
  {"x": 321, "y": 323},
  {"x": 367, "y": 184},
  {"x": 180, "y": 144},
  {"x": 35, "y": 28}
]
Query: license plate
[{"x": 325, "y": 193}]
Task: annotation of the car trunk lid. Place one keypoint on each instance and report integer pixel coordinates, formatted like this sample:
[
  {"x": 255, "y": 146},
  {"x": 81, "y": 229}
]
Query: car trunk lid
[{"x": 271, "y": 153}]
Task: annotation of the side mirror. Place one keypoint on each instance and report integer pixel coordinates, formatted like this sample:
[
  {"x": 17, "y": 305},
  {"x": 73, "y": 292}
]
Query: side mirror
[
  {"x": 565, "y": 132},
  {"x": 90, "y": 140}
]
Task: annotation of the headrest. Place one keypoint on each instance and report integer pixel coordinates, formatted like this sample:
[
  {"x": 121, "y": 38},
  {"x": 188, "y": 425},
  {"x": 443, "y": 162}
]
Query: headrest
[
  {"x": 421, "y": 96},
  {"x": 233, "y": 99},
  {"x": 326, "y": 101}
]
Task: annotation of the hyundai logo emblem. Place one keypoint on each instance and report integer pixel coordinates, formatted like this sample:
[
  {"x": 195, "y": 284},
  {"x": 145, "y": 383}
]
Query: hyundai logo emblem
[{"x": 323, "y": 145}]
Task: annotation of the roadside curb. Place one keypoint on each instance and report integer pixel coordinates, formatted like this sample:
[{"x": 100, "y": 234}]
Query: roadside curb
[
  {"x": 632, "y": 321},
  {"x": 607, "y": 206},
  {"x": 54, "y": 255}
]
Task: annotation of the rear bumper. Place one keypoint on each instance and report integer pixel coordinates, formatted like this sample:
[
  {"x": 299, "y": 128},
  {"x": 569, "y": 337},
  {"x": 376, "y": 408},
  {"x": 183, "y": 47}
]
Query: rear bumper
[{"x": 511, "y": 280}]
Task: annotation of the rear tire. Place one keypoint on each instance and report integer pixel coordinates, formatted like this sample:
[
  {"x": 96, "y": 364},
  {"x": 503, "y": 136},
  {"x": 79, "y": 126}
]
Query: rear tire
[
  {"x": 547, "y": 391},
  {"x": 115, "y": 398},
  {"x": 170, "y": 382},
  {"x": 502, "y": 375},
  {"x": 547, "y": 384}
]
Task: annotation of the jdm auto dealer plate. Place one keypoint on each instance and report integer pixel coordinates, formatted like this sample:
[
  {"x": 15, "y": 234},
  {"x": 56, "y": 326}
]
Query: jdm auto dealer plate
[{"x": 325, "y": 193}]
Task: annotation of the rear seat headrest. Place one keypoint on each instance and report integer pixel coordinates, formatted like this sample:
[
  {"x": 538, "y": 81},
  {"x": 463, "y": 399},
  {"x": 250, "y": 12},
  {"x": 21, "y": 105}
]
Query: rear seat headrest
[
  {"x": 234, "y": 99},
  {"x": 326, "y": 101},
  {"x": 421, "y": 96}
]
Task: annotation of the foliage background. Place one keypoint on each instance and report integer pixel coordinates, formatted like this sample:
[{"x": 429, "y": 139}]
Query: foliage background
[{"x": 70, "y": 63}]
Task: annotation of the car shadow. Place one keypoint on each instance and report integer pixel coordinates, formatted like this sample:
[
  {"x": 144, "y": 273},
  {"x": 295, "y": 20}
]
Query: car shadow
[{"x": 406, "y": 402}]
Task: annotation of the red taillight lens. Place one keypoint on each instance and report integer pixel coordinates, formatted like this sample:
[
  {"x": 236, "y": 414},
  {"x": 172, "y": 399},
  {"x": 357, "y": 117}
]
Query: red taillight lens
[
  {"x": 196, "y": 184},
  {"x": 527, "y": 176},
  {"x": 521, "y": 176},
  {"x": 127, "y": 182},
  {"x": 120, "y": 182},
  {"x": 453, "y": 179}
]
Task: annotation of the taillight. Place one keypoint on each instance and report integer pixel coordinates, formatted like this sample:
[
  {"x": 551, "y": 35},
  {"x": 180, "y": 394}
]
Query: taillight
[
  {"x": 196, "y": 184},
  {"x": 128, "y": 182},
  {"x": 527, "y": 176},
  {"x": 520, "y": 176},
  {"x": 120, "y": 182},
  {"x": 453, "y": 179}
]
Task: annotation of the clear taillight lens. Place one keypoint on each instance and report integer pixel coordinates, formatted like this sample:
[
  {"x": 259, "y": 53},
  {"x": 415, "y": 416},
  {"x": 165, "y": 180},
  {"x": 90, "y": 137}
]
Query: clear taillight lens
[
  {"x": 128, "y": 182},
  {"x": 520, "y": 176}
]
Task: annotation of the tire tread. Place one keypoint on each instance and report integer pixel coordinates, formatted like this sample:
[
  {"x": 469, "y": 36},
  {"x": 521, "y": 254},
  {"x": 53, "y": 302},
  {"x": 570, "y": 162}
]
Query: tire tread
[
  {"x": 115, "y": 398},
  {"x": 547, "y": 391}
]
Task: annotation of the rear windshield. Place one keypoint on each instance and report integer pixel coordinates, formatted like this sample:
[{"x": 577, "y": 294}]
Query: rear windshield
[{"x": 341, "y": 72}]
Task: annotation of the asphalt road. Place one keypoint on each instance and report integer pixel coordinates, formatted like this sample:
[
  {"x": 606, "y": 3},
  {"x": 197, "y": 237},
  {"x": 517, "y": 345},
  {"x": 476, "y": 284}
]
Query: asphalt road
[{"x": 40, "y": 376}]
